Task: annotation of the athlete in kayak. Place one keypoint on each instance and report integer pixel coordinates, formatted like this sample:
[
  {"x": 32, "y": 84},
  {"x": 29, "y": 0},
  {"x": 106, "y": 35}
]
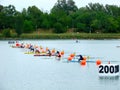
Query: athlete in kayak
[
  {"x": 80, "y": 58},
  {"x": 58, "y": 55},
  {"x": 37, "y": 51},
  {"x": 31, "y": 48},
  {"x": 22, "y": 45},
  {"x": 49, "y": 52}
]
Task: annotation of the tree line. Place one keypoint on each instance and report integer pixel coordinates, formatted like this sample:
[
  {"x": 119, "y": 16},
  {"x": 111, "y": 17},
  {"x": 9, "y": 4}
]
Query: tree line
[{"x": 64, "y": 16}]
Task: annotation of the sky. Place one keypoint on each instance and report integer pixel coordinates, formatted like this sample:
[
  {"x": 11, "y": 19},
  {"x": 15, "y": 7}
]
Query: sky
[{"x": 47, "y": 5}]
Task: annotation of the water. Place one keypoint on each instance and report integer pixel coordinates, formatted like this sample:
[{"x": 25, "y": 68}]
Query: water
[{"x": 19, "y": 71}]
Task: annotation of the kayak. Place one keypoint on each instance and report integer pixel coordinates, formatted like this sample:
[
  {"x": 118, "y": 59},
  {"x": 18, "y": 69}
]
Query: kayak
[
  {"x": 43, "y": 55},
  {"x": 15, "y": 47},
  {"x": 29, "y": 53},
  {"x": 75, "y": 61},
  {"x": 34, "y": 53}
]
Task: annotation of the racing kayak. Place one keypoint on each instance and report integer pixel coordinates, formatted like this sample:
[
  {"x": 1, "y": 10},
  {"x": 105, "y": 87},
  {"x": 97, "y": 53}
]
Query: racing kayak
[
  {"x": 44, "y": 55},
  {"x": 15, "y": 47},
  {"x": 29, "y": 53},
  {"x": 76, "y": 61},
  {"x": 34, "y": 53},
  {"x": 81, "y": 60}
]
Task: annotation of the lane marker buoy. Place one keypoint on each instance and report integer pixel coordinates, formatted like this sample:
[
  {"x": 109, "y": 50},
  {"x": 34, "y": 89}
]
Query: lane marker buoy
[
  {"x": 83, "y": 62},
  {"x": 98, "y": 62}
]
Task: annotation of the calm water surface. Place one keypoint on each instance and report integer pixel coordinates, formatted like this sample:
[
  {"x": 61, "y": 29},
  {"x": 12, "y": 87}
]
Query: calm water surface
[{"x": 19, "y": 71}]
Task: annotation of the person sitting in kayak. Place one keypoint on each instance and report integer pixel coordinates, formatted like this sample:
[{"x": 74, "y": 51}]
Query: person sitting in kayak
[
  {"x": 17, "y": 44},
  {"x": 80, "y": 58},
  {"x": 58, "y": 54},
  {"x": 37, "y": 51},
  {"x": 49, "y": 52},
  {"x": 31, "y": 48},
  {"x": 22, "y": 45}
]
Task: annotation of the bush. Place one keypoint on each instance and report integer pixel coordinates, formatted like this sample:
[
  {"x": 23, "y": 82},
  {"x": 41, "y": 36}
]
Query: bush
[
  {"x": 6, "y": 33},
  {"x": 58, "y": 28},
  {"x": 27, "y": 26}
]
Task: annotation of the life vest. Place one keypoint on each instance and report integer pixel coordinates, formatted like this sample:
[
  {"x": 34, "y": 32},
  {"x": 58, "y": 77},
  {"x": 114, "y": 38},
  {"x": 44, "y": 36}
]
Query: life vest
[
  {"x": 59, "y": 55},
  {"x": 17, "y": 44}
]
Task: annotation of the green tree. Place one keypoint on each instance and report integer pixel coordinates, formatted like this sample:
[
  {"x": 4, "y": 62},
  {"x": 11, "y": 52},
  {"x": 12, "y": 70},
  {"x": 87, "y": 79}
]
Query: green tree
[
  {"x": 8, "y": 20},
  {"x": 67, "y": 6},
  {"x": 2, "y": 15},
  {"x": 85, "y": 19},
  {"x": 118, "y": 19},
  {"x": 58, "y": 28},
  {"x": 27, "y": 26},
  {"x": 96, "y": 7},
  {"x": 96, "y": 25},
  {"x": 10, "y": 10},
  {"x": 6, "y": 33},
  {"x": 112, "y": 10},
  {"x": 35, "y": 15},
  {"x": 46, "y": 22},
  {"x": 24, "y": 14},
  {"x": 1, "y": 8},
  {"x": 71, "y": 6},
  {"x": 111, "y": 25},
  {"x": 19, "y": 24},
  {"x": 81, "y": 27}
]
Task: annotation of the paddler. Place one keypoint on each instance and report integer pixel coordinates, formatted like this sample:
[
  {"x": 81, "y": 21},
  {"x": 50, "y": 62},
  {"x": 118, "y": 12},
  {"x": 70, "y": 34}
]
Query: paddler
[
  {"x": 80, "y": 58},
  {"x": 58, "y": 54},
  {"x": 49, "y": 52},
  {"x": 17, "y": 44},
  {"x": 37, "y": 51},
  {"x": 31, "y": 48},
  {"x": 22, "y": 45}
]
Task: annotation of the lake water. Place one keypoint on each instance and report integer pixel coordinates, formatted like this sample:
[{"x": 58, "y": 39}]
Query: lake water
[{"x": 19, "y": 71}]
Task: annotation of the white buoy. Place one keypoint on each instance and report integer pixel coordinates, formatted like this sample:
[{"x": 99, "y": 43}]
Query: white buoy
[{"x": 108, "y": 70}]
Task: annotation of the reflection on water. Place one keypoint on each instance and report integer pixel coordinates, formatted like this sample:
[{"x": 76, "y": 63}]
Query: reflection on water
[
  {"x": 109, "y": 82},
  {"x": 109, "y": 78}
]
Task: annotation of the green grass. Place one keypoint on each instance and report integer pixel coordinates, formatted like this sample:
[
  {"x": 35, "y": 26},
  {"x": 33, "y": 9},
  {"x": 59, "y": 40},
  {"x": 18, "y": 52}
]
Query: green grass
[
  {"x": 65, "y": 36},
  {"x": 71, "y": 36}
]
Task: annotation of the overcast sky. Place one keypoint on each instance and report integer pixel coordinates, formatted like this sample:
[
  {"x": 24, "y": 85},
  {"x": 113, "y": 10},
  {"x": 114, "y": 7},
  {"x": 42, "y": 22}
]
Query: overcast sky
[{"x": 46, "y": 5}]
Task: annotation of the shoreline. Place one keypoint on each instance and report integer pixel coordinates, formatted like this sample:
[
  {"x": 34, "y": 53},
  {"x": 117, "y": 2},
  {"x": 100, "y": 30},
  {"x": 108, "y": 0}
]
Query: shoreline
[{"x": 74, "y": 36}]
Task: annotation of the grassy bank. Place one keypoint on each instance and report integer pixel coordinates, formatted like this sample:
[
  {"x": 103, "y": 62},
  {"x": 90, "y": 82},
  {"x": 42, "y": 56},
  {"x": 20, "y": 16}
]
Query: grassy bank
[
  {"x": 66, "y": 36},
  {"x": 71, "y": 36}
]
